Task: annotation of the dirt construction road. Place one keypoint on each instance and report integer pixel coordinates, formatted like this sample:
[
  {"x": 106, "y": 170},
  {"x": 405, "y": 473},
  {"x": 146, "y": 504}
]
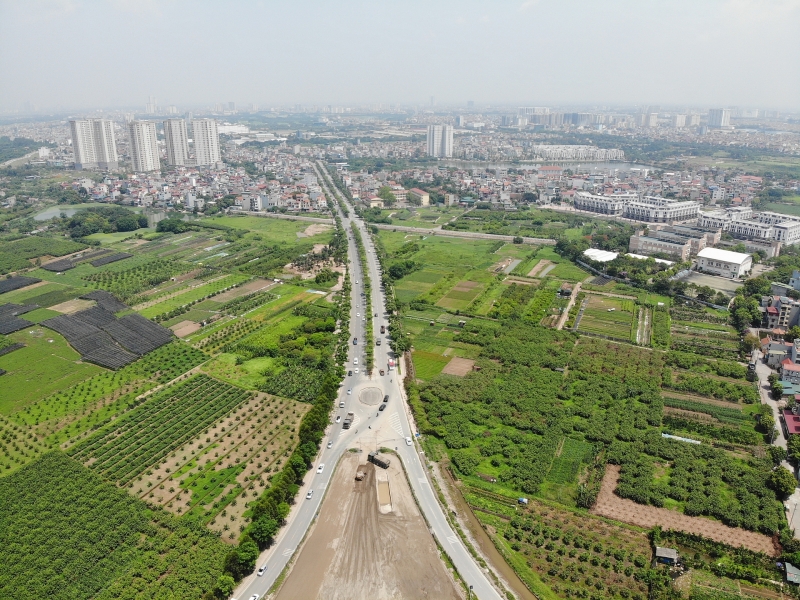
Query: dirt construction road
[{"x": 355, "y": 551}]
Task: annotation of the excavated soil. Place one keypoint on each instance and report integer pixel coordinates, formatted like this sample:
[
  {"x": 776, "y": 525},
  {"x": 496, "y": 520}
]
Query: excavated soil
[{"x": 354, "y": 551}]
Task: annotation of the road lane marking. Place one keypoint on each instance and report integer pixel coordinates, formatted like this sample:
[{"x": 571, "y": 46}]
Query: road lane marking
[
  {"x": 394, "y": 421},
  {"x": 288, "y": 551},
  {"x": 423, "y": 481},
  {"x": 452, "y": 539}
]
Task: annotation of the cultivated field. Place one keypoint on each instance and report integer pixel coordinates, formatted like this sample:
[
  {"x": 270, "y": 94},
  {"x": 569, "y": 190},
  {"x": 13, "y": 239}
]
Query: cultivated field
[{"x": 611, "y": 506}]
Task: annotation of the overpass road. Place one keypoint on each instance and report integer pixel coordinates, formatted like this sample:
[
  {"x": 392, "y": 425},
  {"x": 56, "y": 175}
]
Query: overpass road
[{"x": 363, "y": 433}]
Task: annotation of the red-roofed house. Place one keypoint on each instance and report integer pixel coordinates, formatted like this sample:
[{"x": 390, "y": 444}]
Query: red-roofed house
[{"x": 791, "y": 422}]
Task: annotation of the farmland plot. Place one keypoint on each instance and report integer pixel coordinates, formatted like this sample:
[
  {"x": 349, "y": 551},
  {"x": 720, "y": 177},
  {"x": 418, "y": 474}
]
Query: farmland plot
[{"x": 148, "y": 434}]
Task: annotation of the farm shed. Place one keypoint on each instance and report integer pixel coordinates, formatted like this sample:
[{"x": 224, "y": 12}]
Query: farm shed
[{"x": 666, "y": 556}]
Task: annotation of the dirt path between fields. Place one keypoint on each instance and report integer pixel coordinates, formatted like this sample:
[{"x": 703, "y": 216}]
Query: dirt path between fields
[
  {"x": 620, "y": 509},
  {"x": 354, "y": 551}
]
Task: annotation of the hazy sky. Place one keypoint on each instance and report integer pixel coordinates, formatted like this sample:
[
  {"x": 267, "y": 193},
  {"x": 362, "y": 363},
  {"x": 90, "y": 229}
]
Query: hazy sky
[{"x": 83, "y": 53}]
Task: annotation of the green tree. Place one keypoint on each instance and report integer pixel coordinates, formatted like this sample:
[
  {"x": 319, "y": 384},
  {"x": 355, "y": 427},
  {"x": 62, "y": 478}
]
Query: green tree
[
  {"x": 757, "y": 286},
  {"x": 385, "y": 194},
  {"x": 782, "y": 481},
  {"x": 776, "y": 454},
  {"x": 793, "y": 333},
  {"x": 263, "y": 531},
  {"x": 793, "y": 448},
  {"x": 750, "y": 342},
  {"x": 225, "y": 586}
]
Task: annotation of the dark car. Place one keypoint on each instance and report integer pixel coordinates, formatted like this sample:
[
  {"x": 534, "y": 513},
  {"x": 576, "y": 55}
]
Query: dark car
[
  {"x": 382, "y": 407},
  {"x": 355, "y": 341},
  {"x": 349, "y": 373},
  {"x": 386, "y": 398}
]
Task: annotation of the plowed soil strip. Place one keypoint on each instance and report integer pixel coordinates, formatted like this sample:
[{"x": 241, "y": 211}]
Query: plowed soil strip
[{"x": 620, "y": 509}]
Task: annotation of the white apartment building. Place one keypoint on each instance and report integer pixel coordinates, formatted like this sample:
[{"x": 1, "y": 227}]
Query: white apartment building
[
  {"x": 94, "y": 144},
  {"x": 606, "y": 205},
  {"x": 440, "y": 141},
  {"x": 651, "y": 209},
  {"x": 724, "y": 263},
  {"x": 206, "y": 142},
  {"x": 177, "y": 142},
  {"x": 143, "y": 146},
  {"x": 742, "y": 222},
  {"x": 654, "y": 209},
  {"x": 719, "y": 117},
  {"x": 751, "y": 229}
]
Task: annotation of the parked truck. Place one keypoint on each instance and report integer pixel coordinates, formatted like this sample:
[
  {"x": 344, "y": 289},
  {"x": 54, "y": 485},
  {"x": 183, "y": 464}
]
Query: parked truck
[{"x": 348, "y": 420}]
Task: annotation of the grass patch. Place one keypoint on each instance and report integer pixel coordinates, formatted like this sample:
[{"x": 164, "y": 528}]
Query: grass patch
[{"x": 40, "y": 368}]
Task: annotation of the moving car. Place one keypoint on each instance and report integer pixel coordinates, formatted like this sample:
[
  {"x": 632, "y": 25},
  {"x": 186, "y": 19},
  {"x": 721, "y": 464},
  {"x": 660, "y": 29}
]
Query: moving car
[
  {"x": 382, "y": 406},
  {"x": 356, "y": 370},
  {"x": 255, "y": 597},
  {"x": 408, "y": 441},
  {"x": 349, "y": 391},
  {"x": 382, "y": 372},
  {"x": 338, "y": 418},
  {"x": 358, "y": 314},
  {"x": 355, "y": 362},
  {"x": 341, "y": 404},
  {"x": 350, "y": 373},
  {"x": 262, "y": 570},
  {"x": 309, "y": 494},
  {"x": 355, "y": 341},
  {"x": 386, "y": 398},
  {"x": 330, "y": 444},
  {"x": 321, "y": 468}
]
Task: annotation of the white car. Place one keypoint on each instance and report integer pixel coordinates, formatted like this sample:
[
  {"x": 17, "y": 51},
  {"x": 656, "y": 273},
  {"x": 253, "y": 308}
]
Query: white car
[
  {"x": 408, "y": 441},
  {"x": 358, "y": 314},
  {"x": 255, "y": 597},
  {"x": 338, "y": 419},
  {"x": 330, "y": 444},
  {"x": 349, "y": 392},
  {"x": 309, "y": 494},
  {"x": 262, "y": 570},
  {"x": 355, "y": 360},
  {"x": 321, "y": 468},
  {"x": 355, "y": 370}
]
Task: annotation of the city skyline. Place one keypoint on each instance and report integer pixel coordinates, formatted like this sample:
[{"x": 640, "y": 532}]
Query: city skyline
[{"x": 507, "y": 53}]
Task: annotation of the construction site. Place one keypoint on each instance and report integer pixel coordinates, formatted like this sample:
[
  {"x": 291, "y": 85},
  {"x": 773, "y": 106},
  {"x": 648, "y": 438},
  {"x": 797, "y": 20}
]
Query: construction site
[{"x": 369, "y": 540}]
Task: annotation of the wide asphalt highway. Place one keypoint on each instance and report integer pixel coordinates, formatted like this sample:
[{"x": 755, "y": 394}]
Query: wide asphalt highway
[{"x": 361, "y": 435}]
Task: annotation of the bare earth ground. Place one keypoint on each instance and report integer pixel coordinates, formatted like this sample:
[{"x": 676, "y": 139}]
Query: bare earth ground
[
  {"x": 458, "y": 366},
  {"x": 354, "y": 551},
  {"x": 72, "y": 306},
  {"x": 316, "y": 228},
  {"x": 621, "y": 509},
  {"x": 185, "y": 328},
  {"x": 539, "y": 266}
]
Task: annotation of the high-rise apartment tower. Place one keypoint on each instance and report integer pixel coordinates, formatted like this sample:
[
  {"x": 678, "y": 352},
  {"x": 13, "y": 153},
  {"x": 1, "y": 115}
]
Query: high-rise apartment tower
[
  {"x": 143, "y": 146},
  {"x": 719, "y": 117},
  {"x": 206, "y": 142},
  {"x": 177, "y": 142},
  {"x": 440, "y": 141},
  {"x": 94, "y": 144}
]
